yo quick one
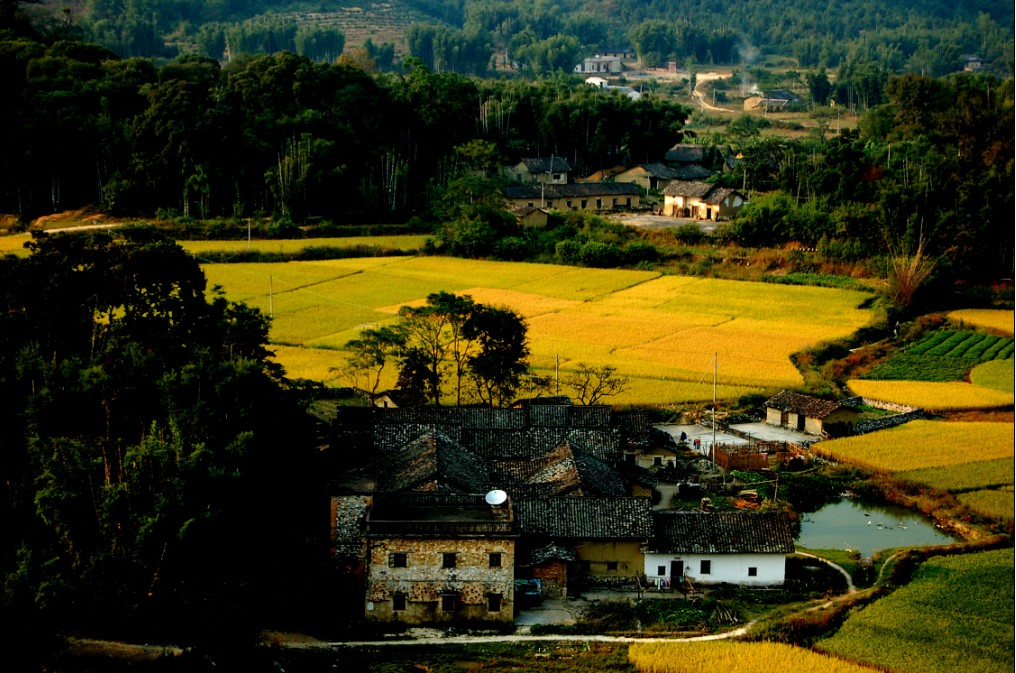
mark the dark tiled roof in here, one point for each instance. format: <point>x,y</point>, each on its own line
<point>554,400</point>
<point>686,188</point>
<point>546,165</point>
<point>572,191</point>
<point>722,533</point>
<point>686,154</point>
<point>565,470</point>
<point>692,172</point>
<point>433,461</point>
<point>588,518</point>
<point>812,407</point>
<point>661,171</point>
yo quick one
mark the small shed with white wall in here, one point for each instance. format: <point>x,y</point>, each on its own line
<point>745,547</point>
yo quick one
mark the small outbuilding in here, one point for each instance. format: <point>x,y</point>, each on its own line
<point>746,548</point>
<point>812,415</point>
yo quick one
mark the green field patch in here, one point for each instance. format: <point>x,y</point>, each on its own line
<point>956,614</point>
<point>997,503</point>
<point>997,374</point>
<point>910,367</point>
<point>965,477</point>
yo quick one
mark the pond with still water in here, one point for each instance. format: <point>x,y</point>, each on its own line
<point>867,528</point>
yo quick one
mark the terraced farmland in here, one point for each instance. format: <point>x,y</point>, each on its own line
<point>944,355</point>
<point>661,331</point>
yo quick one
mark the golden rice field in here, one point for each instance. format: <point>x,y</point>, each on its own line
<point>933,395</point>
<point>660,331</point>
<point>924,444</point>
<point>727,655</point>
<point>966,476</point>
<point>991,318</point>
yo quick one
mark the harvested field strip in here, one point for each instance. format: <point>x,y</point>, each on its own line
<point>933,396</point>
<point>726,655</point>
<point>956,614</point>
<point>410,242</point>
<point>1000,320</point>
<point>924,444</point>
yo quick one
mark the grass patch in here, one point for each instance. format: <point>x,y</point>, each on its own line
<point>966,477</point>
<point>956,614</point>
<point>997,503</point>
<point>997,374</point>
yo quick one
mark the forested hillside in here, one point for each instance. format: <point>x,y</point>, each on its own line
<point>926,36</point>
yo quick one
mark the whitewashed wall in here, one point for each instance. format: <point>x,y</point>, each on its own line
<point>771,569</point>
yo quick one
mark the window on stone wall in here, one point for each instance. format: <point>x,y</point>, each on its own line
<point>448,602</point>
<point>448,560</point>
<point>752,571</point>
<point>611,565</point>
<point>398,559</point>
<point>398,602</point>
<point>493,602</point>
<point>495,559</point>
<point>705,567</point>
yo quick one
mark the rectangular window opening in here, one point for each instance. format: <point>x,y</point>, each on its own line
<point>448,602</point>
<point>705,567</point>
<point>399,560</point>
<point>448,560</point>
<point>494,560</point>
<point>752,571</point>
<point>398,602</point>
<point>494,603</point>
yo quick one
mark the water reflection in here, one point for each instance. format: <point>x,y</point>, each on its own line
<point>867,528</point>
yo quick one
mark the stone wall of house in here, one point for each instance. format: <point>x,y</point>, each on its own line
<point>424,581</point>
<point>904,414</point>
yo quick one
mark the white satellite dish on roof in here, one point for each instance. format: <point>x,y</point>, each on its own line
<point>496,497</point>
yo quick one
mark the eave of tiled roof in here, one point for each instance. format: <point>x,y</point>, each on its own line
<point>721,533</point>
<point>590,518</point>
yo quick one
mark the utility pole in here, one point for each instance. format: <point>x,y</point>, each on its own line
<point>712,447</point>
<point>271,299</point>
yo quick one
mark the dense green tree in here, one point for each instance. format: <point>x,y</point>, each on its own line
<point>480,351</point>
<point>147,439</point>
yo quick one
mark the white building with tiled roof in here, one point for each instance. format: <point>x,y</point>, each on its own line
<point>744,548</point>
